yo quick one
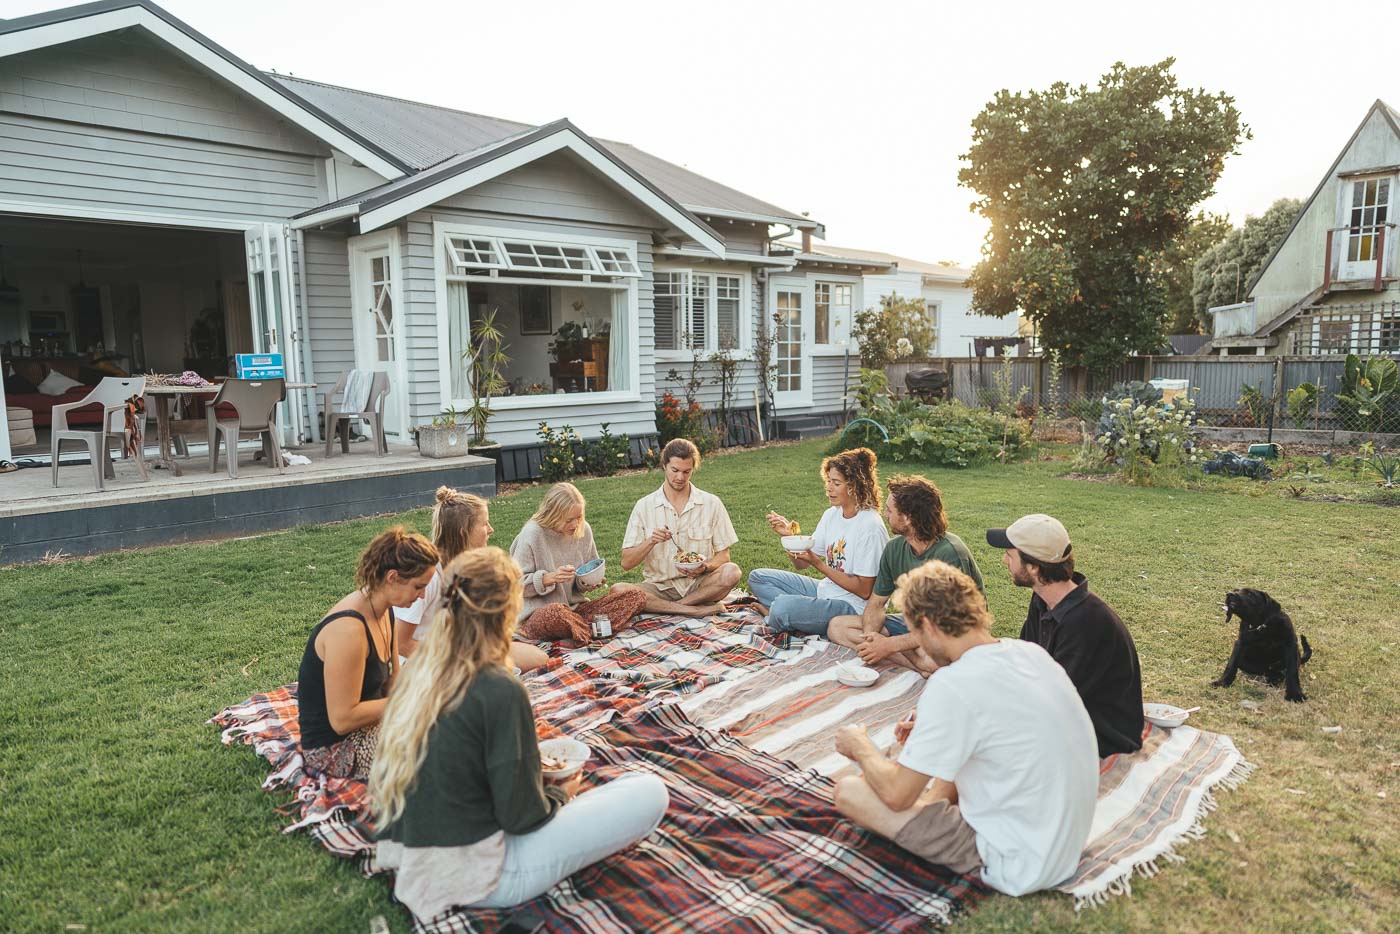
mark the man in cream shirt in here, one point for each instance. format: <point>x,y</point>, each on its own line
<point>678,518</point>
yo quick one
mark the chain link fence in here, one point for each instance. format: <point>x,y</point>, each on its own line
<point>1303,399</point>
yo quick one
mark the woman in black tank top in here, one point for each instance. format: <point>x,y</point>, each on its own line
<point>351,656</point>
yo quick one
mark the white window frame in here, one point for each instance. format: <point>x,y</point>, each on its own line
<point>575,257</point>
<point>744,325</point>
<point>835,349</point>
<point>624,285</point>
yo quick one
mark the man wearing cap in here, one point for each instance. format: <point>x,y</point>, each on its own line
<point>1078,629</point>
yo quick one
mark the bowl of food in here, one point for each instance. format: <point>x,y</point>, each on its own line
<point>689,560</point>
<point>798,544</point>
<point>1164,715</point>
<point>856,676</point>
<point>562,757</point>
<point>590,574</point>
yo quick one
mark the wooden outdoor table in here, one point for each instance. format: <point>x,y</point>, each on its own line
<point>161,396</point>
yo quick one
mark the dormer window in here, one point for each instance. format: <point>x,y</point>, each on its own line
<point>1367,225</point>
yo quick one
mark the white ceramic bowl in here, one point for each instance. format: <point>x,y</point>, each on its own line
<point>594,577</point>
<point>857,676</point>
<point>689,565</point>
<point>1164,715</point>
<point>570,751</point>
<point>798,543</point>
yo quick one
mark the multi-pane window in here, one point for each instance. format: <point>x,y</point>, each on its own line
<point>1334,336</point>
<point>698,311</point>
<point>533,256</point>
<point>1370,209</point>
<point>1389,337</point>
<point>832,303</point>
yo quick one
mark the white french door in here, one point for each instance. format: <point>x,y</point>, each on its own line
<point>791,304</point>
<point>378,321</point>
<point>1367,211</point>
<point>270,305</point>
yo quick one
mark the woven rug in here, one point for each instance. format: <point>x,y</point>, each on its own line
<point>1150,802</point>
<point>749,843</point>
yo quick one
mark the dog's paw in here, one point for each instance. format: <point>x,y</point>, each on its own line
<point>1220,683</point>
<point>1296,698</point>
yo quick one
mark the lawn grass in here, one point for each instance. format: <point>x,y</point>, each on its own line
<point>121,811</point>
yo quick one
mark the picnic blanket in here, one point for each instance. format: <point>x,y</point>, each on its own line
<point>749,842</point>
<point>1149,803</point>
<point>680,653</point>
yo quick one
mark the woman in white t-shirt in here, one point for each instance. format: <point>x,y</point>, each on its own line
<point>461,521</point>
<point>849,540</point>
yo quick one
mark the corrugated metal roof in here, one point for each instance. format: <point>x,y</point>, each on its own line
<point>957,273</point>
<point>424,135</point>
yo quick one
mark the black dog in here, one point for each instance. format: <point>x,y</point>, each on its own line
<point>1268,643</point>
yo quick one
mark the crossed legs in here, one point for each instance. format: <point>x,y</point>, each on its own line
<point>703,600</point>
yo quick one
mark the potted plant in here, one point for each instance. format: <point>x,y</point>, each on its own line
<point>484,360</point>
<point>445,437</point>
<point>569,344</point>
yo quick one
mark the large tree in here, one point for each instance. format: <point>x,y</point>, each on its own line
<point>1223,273</point>
<point>1176,268</point>
<point>1084,187</point>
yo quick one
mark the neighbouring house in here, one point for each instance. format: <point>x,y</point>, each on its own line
<point>1330,287</point>
<point>958,330</point>
<point>165,205</point>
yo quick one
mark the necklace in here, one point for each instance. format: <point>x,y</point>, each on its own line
<point>383,635</point>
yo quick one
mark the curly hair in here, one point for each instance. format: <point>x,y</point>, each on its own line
<point>395,550</point>
<point>857,468</point>
<point>918,498</point>
<point>941,595</point>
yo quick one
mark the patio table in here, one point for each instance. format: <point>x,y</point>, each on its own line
<point>161,397</point>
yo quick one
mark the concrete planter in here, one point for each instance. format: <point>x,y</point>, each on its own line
<point>443,442</point>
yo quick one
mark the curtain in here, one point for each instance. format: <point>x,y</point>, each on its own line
<point>619,344</point>
<point>459,337</point>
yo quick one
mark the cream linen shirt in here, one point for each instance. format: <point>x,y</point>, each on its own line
<point>703,526</point>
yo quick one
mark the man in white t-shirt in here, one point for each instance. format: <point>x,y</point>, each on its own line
<point>999,769</point>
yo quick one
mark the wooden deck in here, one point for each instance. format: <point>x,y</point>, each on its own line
<point>37,520</point>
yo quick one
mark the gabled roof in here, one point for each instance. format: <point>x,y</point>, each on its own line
<point>876,258</point>
<point>1392,116</point>
<point>424,135</point>
<point>389,202</point>
<point>42,30</point>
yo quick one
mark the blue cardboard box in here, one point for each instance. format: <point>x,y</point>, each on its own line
<point>260,366</point>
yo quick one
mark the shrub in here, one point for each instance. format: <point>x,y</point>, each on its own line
<point>1256,402</point>
<point>899,329</point>
<point>605,456</point>
<point>1368,392</point>
<point>1146,440</point>
<point>948,434</point>
<point>558,460</point>
<point>1302,403</point>
<point>677,419</point>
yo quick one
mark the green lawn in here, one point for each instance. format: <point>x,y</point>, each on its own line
<point>121,811</point>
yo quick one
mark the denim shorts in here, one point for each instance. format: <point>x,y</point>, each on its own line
<point>894,625</point>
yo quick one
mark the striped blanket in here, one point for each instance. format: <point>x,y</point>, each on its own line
<point>1149,802</point>
<point>750,843</point>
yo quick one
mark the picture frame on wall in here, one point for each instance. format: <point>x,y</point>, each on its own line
<point>534,310</point>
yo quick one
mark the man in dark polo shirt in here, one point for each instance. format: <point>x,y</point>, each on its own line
<point>1079,630</point>
<point>914,510</point>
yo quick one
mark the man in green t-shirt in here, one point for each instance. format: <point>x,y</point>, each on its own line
<point>914,510</point>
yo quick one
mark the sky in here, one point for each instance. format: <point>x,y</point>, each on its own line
<point>856,113</point>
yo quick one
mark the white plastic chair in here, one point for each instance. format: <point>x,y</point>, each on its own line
<point>112,394</point>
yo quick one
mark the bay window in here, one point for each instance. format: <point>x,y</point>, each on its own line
<point>566,311</point>
<point>699,311</point>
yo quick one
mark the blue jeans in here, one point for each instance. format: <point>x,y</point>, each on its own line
<point>793,604</point>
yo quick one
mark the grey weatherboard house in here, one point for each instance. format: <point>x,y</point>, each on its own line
<point>163,200</point>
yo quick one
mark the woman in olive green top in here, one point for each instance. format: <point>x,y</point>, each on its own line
<point>914,510</point>
<point>457,786</point>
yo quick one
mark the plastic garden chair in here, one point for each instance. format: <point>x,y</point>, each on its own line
<point>112,394</point>
<point>357,403</point>
<point>255,403</point>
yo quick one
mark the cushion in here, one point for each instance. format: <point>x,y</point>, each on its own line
<point>56,384</point>
<point>17,385</point>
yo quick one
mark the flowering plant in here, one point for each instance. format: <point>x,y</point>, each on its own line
<point>1139,437</point>
<point>558,460</point>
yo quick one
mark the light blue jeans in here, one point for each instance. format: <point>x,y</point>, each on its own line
<point>793,604</point>
<point>593,826</point>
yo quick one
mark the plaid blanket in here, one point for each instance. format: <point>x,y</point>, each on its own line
<point>681,653</point>
<point>1149,802</point>
<point>749,842</point>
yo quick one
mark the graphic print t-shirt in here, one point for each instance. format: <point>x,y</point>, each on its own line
<point>852,546</point>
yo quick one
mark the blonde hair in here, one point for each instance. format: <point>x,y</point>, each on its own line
<point>395,550</point>
<point>554,509</point>
<point>941,595</point>
<point>471,629</point>
<point>455,517</point>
